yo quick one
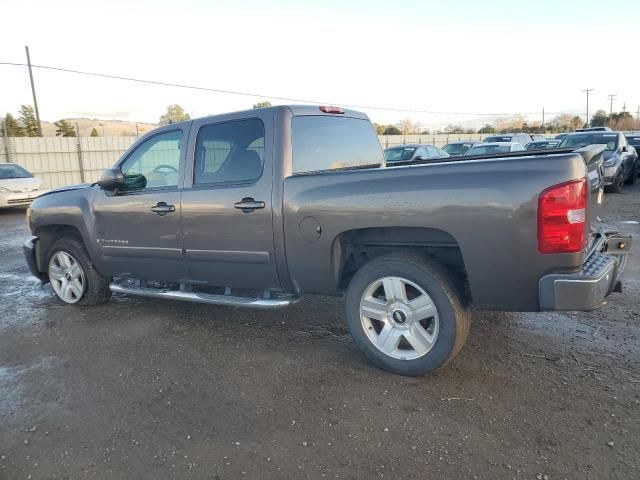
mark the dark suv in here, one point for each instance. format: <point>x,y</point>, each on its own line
<point>620,158</point>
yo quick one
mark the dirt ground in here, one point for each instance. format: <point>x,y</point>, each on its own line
<point>149,389</point>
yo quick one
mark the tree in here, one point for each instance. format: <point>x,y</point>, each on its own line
<point>175,113</point>
<point>64,129</point>
<point>262,105</point>
<point>14,129</point>
<point>407,126</point>
<point>453,129</point>
<point>379,128</point>
<point>391,130</point>
<point>600,119</point>
<point>29,121</point>
<point>94,133</point>
<point>488,128</point>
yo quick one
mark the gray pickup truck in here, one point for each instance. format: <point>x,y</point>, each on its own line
<point>255,208</point>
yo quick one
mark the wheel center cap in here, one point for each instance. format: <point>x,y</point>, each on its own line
<point>399,316</point>
<point>68,276</point>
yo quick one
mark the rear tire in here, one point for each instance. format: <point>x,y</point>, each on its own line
<point>72,275</point>
<point>406,315</point>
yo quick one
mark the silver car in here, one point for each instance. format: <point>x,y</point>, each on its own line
<point>18,187</point>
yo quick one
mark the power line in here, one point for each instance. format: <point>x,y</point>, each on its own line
<point>260,95</point>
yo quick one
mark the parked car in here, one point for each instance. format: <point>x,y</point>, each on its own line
<point>521,138</point>
<point>494,147</point>
<point>536,137</point>
<point>18,187</point>
<point>542,144</point>
<point>620,160</point>
<point>593,129</point>
<point>560,136</point>
<point>412,153</point>
<point>456,149</point>
<point>257,208</point>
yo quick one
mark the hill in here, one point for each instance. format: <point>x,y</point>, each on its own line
<point>106,128</point>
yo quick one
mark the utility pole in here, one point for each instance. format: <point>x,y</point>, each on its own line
<point>638,117</point>
<point>543,120</point>
<point>587,90</point>
<point>611,99</point>
<point>33,91</point>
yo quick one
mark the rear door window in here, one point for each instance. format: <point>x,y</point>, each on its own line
<point>229,152</point>
<point>321,143</point>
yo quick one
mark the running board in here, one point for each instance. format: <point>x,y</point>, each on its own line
<point>200,297</point>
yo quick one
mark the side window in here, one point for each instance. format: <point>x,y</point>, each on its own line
<point>154,163</point>
<point>433,152</point>
<point>229,152</point>
<point>422,152</point>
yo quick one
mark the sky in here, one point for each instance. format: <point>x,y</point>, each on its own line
<point>466,57</point>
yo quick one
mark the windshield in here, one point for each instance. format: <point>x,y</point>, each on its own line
<point>487,149</point>
<point>541,145</point>
<point>13,171</point>
<point>497,139</point>
<point>399,154</point>
<point>579,140</point>
<point>457,148</point>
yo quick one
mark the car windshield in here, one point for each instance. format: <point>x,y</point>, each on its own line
<point>487,149</point>
<point>399,154</point>
<point>13,171</point>
<point>541,145</point>
<point>497,139</point>
<point>457,148</point>
<point>579,140</point>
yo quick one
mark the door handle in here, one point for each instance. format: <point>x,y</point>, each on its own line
<point>248,205</point>
<point>161,208</point>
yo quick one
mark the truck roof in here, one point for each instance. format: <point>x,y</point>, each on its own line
<point>299,110</point>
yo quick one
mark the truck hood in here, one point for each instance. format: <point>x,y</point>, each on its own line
<point>21,184</point>
<point>68,188</point>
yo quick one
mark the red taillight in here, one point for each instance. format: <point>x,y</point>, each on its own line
<point>328,109</point>
<point>562,211</point>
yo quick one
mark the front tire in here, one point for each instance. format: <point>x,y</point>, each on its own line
<point>72,275</point>
<point>618,183</point>
<point>406,315</point>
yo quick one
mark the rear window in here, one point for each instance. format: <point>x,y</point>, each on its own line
<point>487,149</point>
<point>497,139</point>
<point>457,148</point>
<point>329,143</point>
<point>635,141</point>
<point>13,171</point>
<point>399,154</point>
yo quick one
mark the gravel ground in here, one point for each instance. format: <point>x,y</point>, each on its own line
<point>149,389</point>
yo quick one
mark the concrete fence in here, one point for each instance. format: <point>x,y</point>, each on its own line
<point>63,161</point>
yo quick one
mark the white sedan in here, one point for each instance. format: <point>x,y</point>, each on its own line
<point>17,186</point>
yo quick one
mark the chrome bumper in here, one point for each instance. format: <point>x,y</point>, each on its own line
<point>587,288</point>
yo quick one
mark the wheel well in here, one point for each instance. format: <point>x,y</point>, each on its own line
<point>354,248</point>
<point>48,235</point>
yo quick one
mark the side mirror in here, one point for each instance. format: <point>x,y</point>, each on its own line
<point>625,149</point>
<point>419,158</point>
<point>111,179</point>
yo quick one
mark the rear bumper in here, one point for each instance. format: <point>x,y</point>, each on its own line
<point>29,248</point>
<point>586,289</point>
